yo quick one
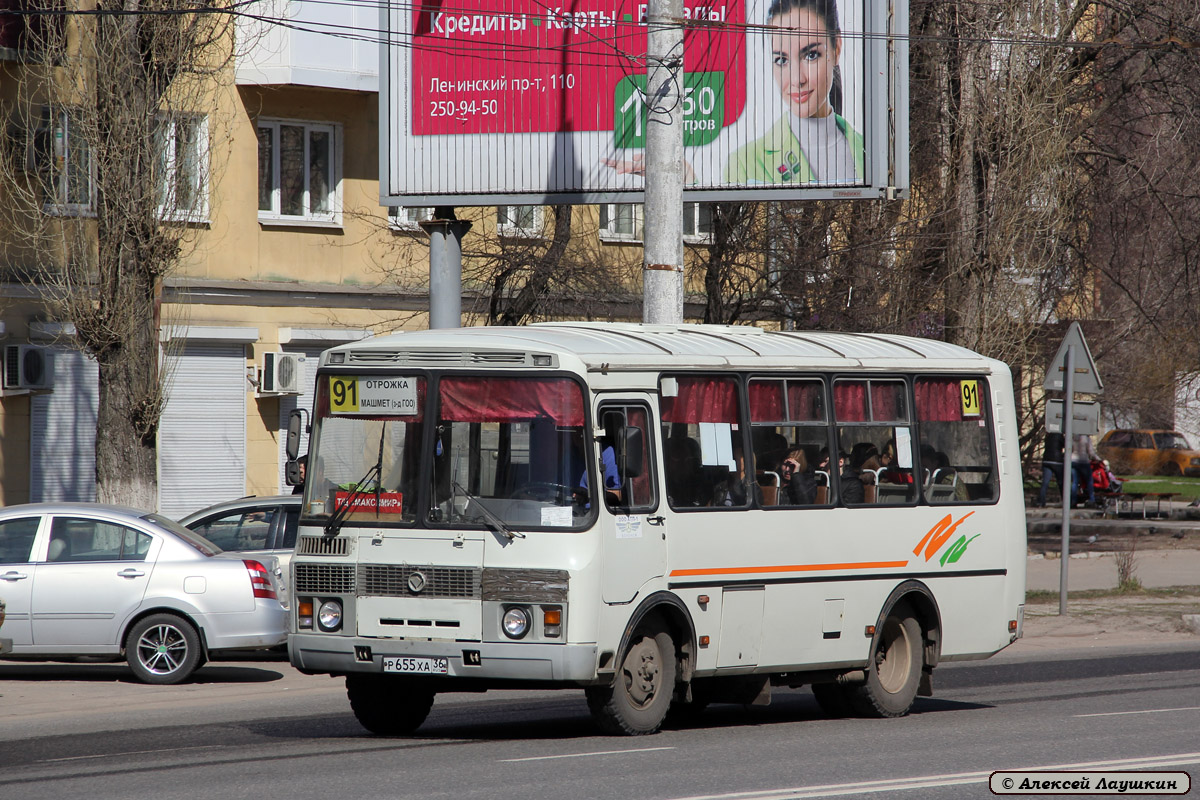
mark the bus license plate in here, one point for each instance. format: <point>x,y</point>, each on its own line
<point>421,666</point>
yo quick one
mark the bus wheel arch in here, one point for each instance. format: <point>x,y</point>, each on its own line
<point>904,650</point>
<point>652,667</point>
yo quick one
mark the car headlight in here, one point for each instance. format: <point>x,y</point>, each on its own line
<point>329,618</point>
<point>516,622</point>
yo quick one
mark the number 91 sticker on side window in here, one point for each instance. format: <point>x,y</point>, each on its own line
<point>422,666</point>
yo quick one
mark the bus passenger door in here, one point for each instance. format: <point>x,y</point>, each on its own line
<point>633,539</point>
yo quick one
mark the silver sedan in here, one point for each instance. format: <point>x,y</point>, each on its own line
<point>83,579</point>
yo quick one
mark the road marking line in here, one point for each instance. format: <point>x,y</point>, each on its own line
<point>1146,711</point>
<point>131,753</point>
<point>585,755</point>
<point>933,781</point>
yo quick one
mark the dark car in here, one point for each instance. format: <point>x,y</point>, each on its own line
<point>253,526</point>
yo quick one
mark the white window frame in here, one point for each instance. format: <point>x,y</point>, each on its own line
<point>408,218</point>
<point>691,213</point>
<point>274,215</point>
<point>168,208</point>
<point>57,147</point>
<point>607,215</point>
<point>514,229</point>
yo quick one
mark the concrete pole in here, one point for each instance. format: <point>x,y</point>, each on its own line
<point>662,271</point>
<point>445,267</point>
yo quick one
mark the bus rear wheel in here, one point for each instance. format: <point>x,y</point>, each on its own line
<point>387,706</point>
<point>895,669</point>
<point>637,701</point>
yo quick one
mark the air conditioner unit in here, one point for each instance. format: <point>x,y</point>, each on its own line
<point>281,373</point>
<point>28,366</point>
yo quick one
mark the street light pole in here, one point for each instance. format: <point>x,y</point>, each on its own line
<point>662,269</point>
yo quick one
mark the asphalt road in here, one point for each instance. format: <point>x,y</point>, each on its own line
<point>261,730</point>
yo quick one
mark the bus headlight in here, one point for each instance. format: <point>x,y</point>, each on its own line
<point>330,616</point>
<point>516,622</point>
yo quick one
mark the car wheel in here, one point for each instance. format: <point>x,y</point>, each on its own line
<point>1171,470</point>
<point>163,649</point>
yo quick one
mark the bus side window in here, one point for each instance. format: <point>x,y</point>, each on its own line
<point>625,458</point>
<point>956,451</point>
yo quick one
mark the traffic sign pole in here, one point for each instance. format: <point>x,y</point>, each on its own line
<point>1064,482</point>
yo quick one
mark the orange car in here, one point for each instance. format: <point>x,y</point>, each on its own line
<point>1149,452</point>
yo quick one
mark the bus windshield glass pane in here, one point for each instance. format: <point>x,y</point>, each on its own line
<point>509,452</point>
<point>367,436</point>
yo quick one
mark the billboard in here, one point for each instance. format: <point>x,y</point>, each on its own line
<point>520,102</point>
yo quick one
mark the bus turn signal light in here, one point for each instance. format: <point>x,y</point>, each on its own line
<point>304,613</point>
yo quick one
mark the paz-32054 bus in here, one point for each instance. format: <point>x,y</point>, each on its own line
<point>662,516</point>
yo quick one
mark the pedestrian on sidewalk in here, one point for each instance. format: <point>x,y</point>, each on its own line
<point>1082,456</point>
<point>1052,464</point>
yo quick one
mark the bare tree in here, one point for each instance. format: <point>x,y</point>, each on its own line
<point>101,181</point>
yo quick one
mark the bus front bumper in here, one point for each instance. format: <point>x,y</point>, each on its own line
<point>499,661</point>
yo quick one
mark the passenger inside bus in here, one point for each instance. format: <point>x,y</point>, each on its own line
<point>800,485</point>
<point>612,478</point>
<point>683,472</point>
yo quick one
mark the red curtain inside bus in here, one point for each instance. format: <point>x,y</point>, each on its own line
<point>850,401</point>
<point>887,401</point>
<point>511,400</point>
<point>938,400</point>
<point>804,401</point>
<point>702,400</point>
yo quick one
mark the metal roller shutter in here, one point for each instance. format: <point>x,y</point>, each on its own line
<point>202,438</point>
<point>62,435</point>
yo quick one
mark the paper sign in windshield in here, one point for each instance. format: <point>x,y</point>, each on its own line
<point>385,503</point>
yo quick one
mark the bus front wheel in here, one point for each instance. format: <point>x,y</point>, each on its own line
<point>387,706</point>
<point>895,669</point>
<point>637,701</point>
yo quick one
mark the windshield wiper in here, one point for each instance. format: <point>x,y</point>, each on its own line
<point>486,515</point>
<point>334,524</point>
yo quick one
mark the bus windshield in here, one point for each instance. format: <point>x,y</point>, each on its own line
<point>509,452</point>
<point>367,462</point>
<point>506,453</point>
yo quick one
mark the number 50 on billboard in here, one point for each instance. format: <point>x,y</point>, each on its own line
<point>521,102</point>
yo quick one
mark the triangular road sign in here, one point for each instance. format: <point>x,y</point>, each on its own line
<point>1086,379</point>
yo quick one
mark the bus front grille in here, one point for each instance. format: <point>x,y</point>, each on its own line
<point>324,579</point>
<point>393,580</point>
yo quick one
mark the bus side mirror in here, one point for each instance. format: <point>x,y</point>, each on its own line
<point>291,473</point>
<point>633,446</point>
<point>295,423</point>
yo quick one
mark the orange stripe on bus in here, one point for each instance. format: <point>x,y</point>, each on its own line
<point>789,568</point>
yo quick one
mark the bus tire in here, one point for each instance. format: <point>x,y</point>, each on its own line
<point>637,701</point>
<point>894,672</point>
<point>387,706</point>
<point>834,699</point>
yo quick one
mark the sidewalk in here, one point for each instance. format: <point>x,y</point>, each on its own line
<point>1166,554</point>
<point>1098,570</point>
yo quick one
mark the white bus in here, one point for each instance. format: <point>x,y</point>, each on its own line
<point>843,511</point>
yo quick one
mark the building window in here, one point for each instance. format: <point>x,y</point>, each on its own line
<point>522,221</point>
<point>299,176</point>
<point>621,222</point>
<point>408,218</point>
<point>697,223</point>
<point>183,175</point>
<point>64,162</point>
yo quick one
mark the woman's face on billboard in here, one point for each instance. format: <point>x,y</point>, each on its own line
<point>804,57</point>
